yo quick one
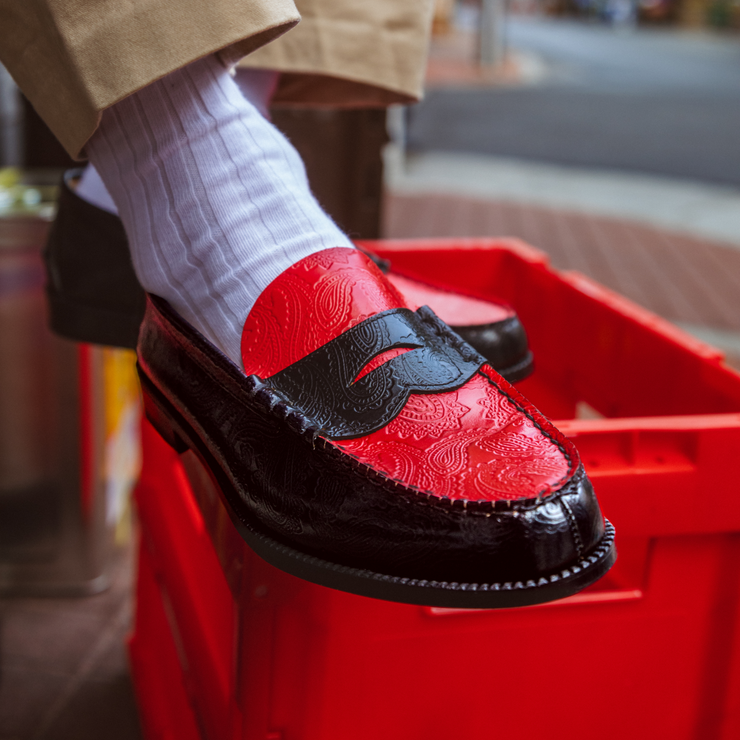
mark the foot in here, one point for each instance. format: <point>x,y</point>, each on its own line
<point>369,449</point>
<point>213,198</point>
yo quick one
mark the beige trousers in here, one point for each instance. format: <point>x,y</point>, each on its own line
<point>75,58</point>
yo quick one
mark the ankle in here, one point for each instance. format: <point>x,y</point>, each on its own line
<point>214,199</point>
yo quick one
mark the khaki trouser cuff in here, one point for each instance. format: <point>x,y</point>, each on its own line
<point>359,54</point>
<point>73,59</point>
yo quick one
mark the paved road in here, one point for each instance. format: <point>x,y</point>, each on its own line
<point>659,102</point>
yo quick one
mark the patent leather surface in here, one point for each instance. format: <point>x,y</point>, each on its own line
<point>503,343</point>
<point>282,475</point>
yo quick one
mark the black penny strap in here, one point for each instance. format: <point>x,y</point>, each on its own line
<point>323,384</point>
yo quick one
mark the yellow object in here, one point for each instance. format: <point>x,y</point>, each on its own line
<point>9,177</point>
<point>20,199</point>
<point>122,450</point>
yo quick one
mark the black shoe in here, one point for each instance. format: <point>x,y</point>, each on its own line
<point>93,293</point>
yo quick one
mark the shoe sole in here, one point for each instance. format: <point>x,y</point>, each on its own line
<point>182,437</point>
<point>518,371</point>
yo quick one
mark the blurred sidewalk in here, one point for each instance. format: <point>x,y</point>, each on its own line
<point>64,671</point>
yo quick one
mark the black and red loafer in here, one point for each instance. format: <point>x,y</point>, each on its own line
<point>365,447</point>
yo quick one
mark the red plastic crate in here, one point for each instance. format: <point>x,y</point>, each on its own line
<point>193,585</point>
<point>165,712</point>
<point>649,651</point>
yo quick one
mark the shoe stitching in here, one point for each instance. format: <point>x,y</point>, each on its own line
<point>270,400</point>
<point>584,563</point>
<point>600,552</point>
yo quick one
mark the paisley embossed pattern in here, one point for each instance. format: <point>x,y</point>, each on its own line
<point>381,359</point>
<point>477,445</point>
<point>481,441</point>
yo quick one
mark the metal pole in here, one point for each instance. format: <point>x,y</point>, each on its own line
<point>11,154</point>
<point>491,29</point>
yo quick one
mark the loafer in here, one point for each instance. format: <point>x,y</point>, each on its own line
<point>367,448</point>
<point>94,295</point>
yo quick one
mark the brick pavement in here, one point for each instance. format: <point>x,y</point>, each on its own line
<point>684,279</point>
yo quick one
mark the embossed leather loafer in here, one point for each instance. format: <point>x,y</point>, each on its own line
<point>94,295</point>
<point>365,447</point>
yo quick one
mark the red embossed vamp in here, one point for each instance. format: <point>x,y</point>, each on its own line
<point>471,441</point>
<point>366,447</point>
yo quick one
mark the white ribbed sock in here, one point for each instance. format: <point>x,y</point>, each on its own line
<point>214,199</point>
<point>92,189</point>
<point>256,85</point>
